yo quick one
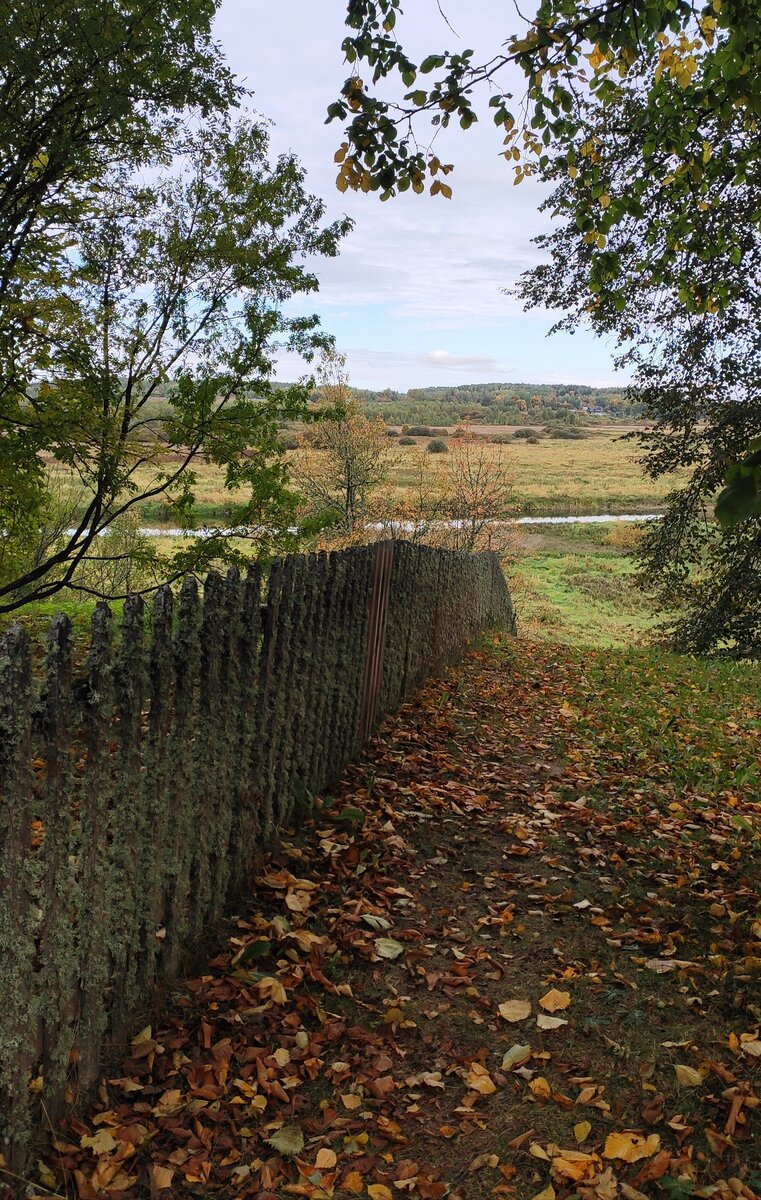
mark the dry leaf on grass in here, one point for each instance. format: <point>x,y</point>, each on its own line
<point>554,1000</point>
<point>631,1147</point>
<point>515,1010</point>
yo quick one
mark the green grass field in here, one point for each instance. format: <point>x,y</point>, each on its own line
<point>576,584</point>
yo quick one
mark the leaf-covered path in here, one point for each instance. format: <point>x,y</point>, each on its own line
<point>516,954</point>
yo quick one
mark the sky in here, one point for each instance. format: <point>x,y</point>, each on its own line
<point>416,297</point>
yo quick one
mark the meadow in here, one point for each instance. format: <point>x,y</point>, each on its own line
<point>572,583</point>
<point>597,474</point>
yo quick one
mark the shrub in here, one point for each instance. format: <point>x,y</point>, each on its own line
<point>406,441</point>
<point>569,433</point>
<point>625,536</point>
<point>437,446</point>
<point>419,430</point>
<point>532,441</point>
<point>392,433</point>
<point>525,431</point>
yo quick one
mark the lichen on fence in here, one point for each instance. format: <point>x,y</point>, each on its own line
<point>138,783</point>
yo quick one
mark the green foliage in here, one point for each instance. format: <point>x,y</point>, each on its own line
<point>437,446</point>
<point>693,65</point>
<point>174,291</point>
<point>741,496</point>
<point>79,95</point>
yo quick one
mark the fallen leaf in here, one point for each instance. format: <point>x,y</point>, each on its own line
<point>326,1159</point>
<point>100,1143</point>
<point>161,1178</point>
<point>479,1080</point>
<point>687,1076</point>
<point>287,1140</point>
<point>484,1160</point>
<point>543,1021</point>
<point>582,1130</point>
<point>554,1000</point>
<point>515,1056</point>
<point>548,1193</point>
<point>379,1191</point>
<point>515,1010</point>
<point>631,1147</point>
<point>388,947</point>
<point>540,1087</point>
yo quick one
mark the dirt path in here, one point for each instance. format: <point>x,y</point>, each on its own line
<point>516,954</point>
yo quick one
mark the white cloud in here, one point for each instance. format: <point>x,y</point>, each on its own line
<point>417,270</point>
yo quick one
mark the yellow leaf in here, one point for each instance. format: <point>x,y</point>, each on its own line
<point>515,1010</point>
<point>548,1193</point>
<point>555,1000</point>
<point>630,1147</point>
<point>582,1130</point>
<point>379,1191</point>
<point>541,1088</point>
<point>101,1143</point>
<point>538,1151</point>
<point>353,1183</point>
<point>479,1080</point>
<point>326,1159</point>
<point>688,1076</point>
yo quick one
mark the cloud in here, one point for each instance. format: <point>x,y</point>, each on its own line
<point>419,272</point>
<point>459,362</point>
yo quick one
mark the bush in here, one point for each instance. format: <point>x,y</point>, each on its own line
<point>437,446</point>
<point>501,439</point>
<point>532,441</point>
<point>392,433</point>
<point>406,441</point>
<point>625,536</point>
<point>526,431</point>
<point>569,433</point>
<point>419,430</point>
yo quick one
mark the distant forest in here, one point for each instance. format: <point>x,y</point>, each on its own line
<point>499,404</point>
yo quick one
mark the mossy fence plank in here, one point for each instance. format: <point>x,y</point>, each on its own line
<point>138,785</point>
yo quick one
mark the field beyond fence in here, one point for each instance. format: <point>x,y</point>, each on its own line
<point>139,782</point>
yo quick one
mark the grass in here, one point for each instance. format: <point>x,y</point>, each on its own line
<point>596,475</point>
<point>577,585</point>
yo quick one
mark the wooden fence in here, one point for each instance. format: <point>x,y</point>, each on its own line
<point>139,779</point>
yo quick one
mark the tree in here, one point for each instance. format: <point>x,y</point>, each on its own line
<point>158,351</point>
<point>694,64</point>
<point>79,90</point>
<point>654,152</point>
<point>345,458</point>
<point>695,352</point>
